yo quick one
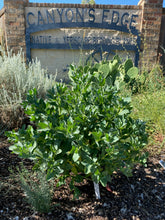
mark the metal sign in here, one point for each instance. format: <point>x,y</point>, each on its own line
<point>86,19</point>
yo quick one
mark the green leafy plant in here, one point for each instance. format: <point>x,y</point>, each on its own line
<point>82,128</point>
<point>122,75</point>
<point>38,191</point>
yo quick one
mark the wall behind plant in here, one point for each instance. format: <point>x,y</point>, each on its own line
<point>149,25</point>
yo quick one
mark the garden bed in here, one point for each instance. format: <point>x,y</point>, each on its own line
<point>141,196</point>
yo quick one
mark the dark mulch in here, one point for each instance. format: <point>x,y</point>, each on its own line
<point>141,196</point>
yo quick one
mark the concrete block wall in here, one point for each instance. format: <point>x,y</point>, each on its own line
<point>151,11</point>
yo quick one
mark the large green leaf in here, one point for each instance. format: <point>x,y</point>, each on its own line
<point>75,157</point>
<point>133,72</point>
<point>104,69</point>
<point>128,65</point>
<point>97,135</point>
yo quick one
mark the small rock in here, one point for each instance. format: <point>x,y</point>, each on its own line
<point>135,218</point>
<point>105,204</point>
<point>69,216</point>
<point>73,209</point>
<point>132,187</point>
<point>100,212</point>
<point>123,210</point>
<point>139,202</point>
<point>154,191</point>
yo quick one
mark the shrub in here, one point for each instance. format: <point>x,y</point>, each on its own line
<point>37,189</point>
<point>16,79</point>
<point>82,128</point>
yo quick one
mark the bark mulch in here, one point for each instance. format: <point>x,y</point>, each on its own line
<point>141,196</point>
